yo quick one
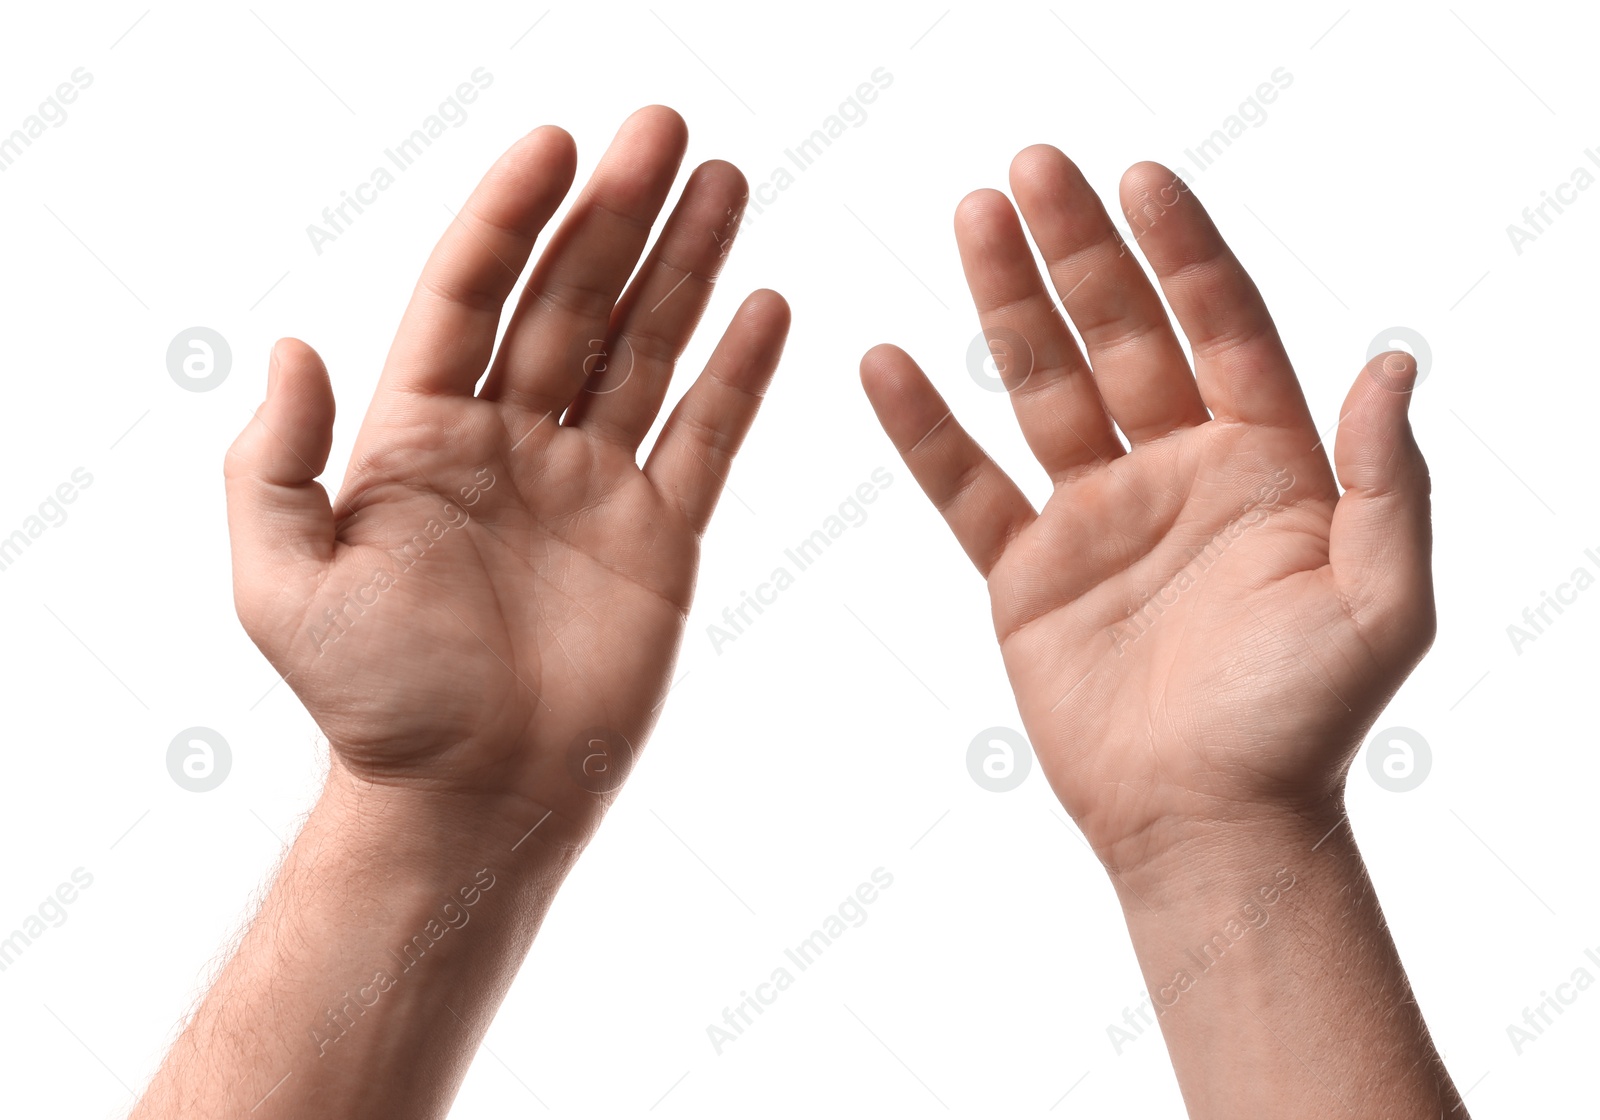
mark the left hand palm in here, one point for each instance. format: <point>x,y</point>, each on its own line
<point>1197,625</point>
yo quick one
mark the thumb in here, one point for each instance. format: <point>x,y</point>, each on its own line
<point>1381,545</point>
<point>277,512</point>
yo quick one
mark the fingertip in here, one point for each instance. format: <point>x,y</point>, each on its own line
<point>1147,175</point>
<point>713,202</point>
<point>762,321</point>
<point>546,154</point>
<point>980,209</point>
<point>1393,372</point>
<point>636,173</point>
<point>1147,189</point>
<point>1035,155</point>
<point>769,308</point>
<point>298,381</point>
<point>550,139</point>
<point>289,349</point>
<point>519,191</point>
<point>1037,164</point>
<point>288,437</point>
<point>721,174</point>
<point>661,120</point>
<point>880,363</point>
<point>899,391</point>
<point>1375,442</point>
<point>287,354</point>
<point>290,354</point>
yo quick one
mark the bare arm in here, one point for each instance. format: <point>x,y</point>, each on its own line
<point>1200,625</point>
<point>375,965</point>
<point>1274,979</point>
<point>483,624</point>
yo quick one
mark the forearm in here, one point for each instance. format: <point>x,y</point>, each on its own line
<point>1275,981</point>
<point>368,979</point>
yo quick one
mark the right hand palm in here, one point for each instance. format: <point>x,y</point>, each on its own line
<point>534,580</point>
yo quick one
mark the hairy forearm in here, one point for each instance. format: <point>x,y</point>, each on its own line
<point>379,956</point>
<point>1273,976</point>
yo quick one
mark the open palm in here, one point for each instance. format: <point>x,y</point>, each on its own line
<point>1198,621</point>
<point>499,584</point>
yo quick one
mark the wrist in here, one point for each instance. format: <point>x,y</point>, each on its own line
<point>420,831</point>
<point>395,910</point>
<point>1232,849</point>
<point>1266,958</point>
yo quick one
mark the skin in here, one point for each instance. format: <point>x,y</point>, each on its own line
<point>483,702</point>
<point>1200,625</point>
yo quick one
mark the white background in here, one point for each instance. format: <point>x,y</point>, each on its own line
<point>1377,193</point>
